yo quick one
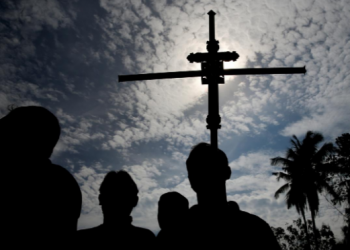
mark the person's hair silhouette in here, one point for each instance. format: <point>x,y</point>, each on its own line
<point>118,196</point>
<point>32,131</point>
<point>173,209</point>
<point>214,221</point>
<point>43,196</point>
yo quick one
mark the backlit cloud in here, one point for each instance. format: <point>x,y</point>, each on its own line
<point>67,56</point>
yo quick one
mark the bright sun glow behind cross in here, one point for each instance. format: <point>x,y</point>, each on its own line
<point>224,46</point>
<point>241,61</point>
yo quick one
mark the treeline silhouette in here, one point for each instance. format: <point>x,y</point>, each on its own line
<point>294,237</point>
<point>309,171</point>
<point>43,201</point>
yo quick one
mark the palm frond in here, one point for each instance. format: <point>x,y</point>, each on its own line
<point>295,144</point>
<point>308,136</point>
<point>282,175</point>
<point>291,154</point>
<point>297,141</point>
<point>279,161</point>
<point>310,141</point>
<point>281,190</point>
<point>317,138</point>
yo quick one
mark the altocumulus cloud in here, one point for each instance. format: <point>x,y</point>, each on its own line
<point>67,55</point>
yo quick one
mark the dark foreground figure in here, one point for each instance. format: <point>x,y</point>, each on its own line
<point>41,201</point>
<point>173,209</point>
<point>214,222</point>
<point>118,196</point>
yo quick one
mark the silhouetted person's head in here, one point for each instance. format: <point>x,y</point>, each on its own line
<point>172,210</point>
<point>207,168</point>
<point>118,194</point>
<point>31,131</point>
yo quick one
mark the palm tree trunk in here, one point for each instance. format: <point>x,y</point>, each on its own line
<point>316,236</point>
<point>306,232</point>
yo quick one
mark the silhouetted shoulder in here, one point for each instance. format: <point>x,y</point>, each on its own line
<point>63,173</point>
<point>65,176</point>
<point>101,237</point>
<point>246,230</point>
<point>136,231</point>
<point>68,187</point>
<point>90,231</point>
<point>263,234</point>
<point>252,218</point>
<point>143,232</point>
<point>93,229</point>
<point>194,209</point>
<point>141,238</point>
<point>60,170</point>
<point>91,238</point>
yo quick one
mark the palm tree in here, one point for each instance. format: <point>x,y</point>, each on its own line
<point>301,172</point>
<point>292,175</point>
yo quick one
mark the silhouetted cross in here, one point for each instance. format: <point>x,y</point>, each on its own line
<point>212,73</point>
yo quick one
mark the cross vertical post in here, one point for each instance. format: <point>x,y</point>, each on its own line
<point>213,118</point>
<point>211,25</point>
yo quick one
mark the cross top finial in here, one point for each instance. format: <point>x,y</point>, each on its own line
<point>213,45</point>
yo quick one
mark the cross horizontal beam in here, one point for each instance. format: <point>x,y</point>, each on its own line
<point>184,74</point>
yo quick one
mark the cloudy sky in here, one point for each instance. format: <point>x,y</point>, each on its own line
<point>67,55</point>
